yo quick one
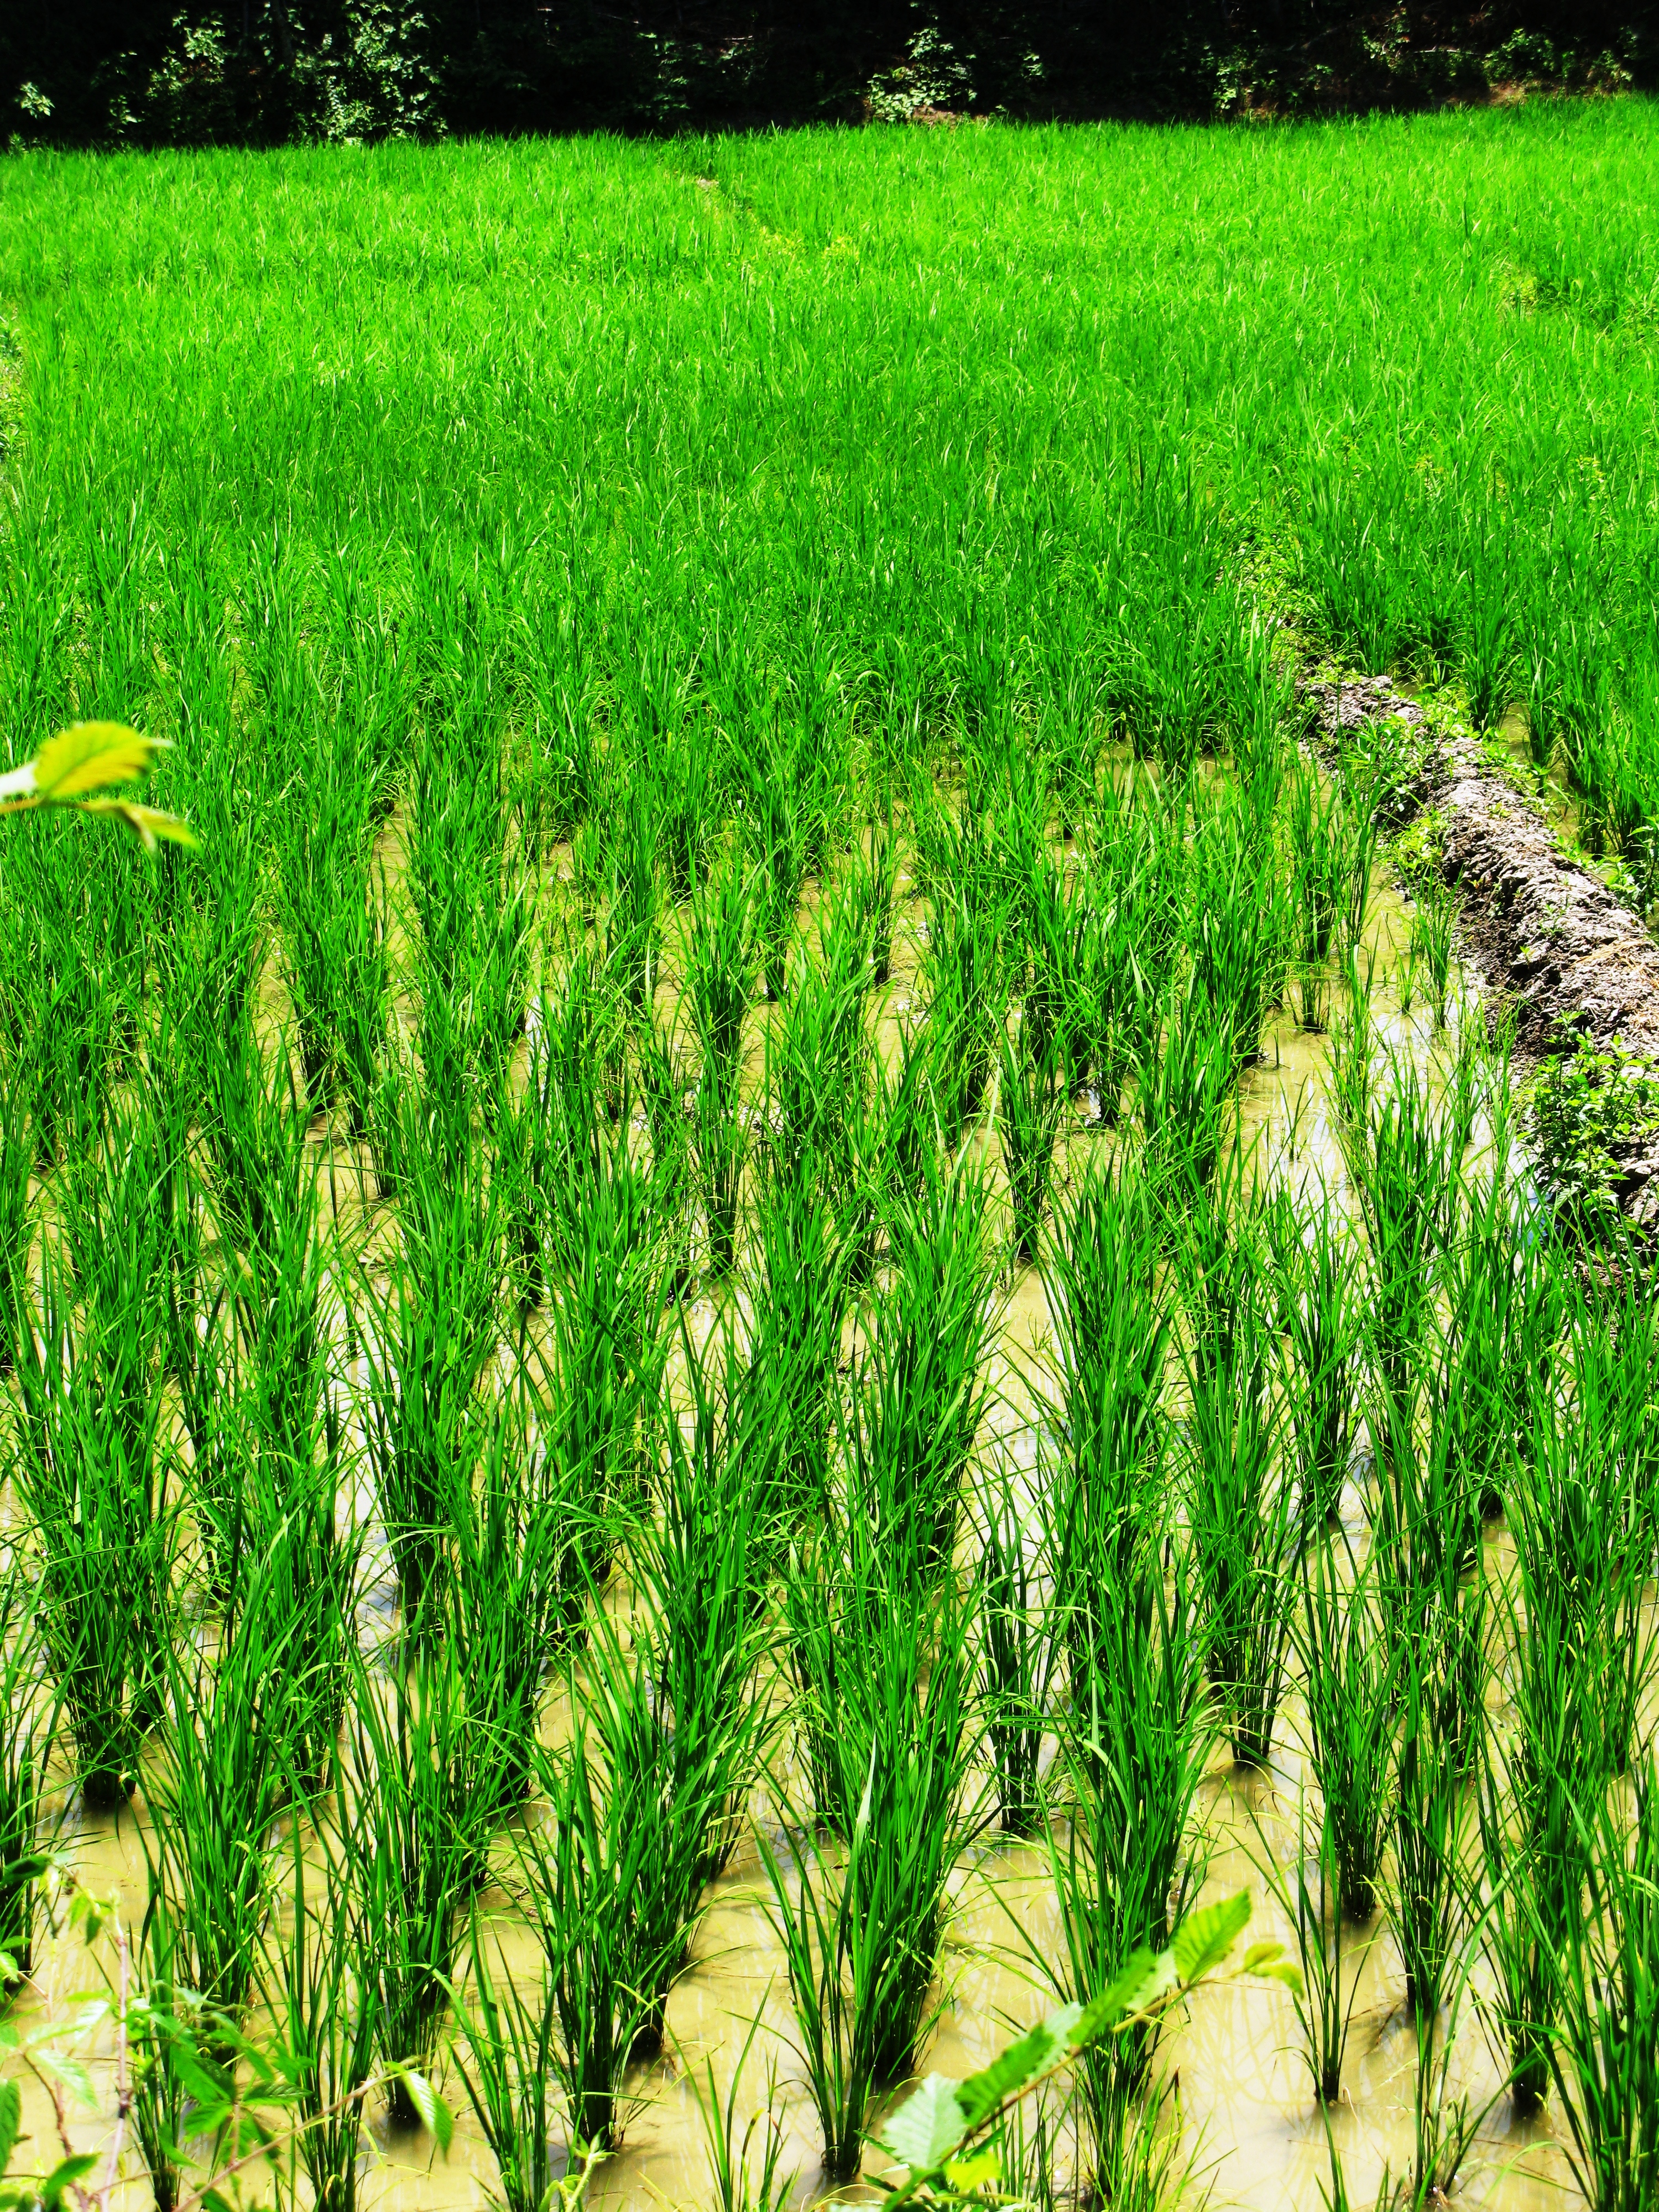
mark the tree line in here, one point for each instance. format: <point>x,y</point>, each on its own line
<point>263,72</point>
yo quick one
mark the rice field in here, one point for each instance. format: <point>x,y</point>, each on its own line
<point>793,1287</point>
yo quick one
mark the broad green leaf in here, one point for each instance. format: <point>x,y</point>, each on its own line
<point>90,756</point>
<point>1204,1937</point>
<point>11,2118</point>
<point>1009,2072</point>
<point>434,2113</point>
<point>1123,1994</point>
<point>148,825</point>
<point>1286,1971</point>
<point>1260,1955</point>
<point>927,2127</point>
<point>66,2171</point>
<point>966,2174</point>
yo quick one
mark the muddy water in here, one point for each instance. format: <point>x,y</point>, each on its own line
<point>1249,2123</point>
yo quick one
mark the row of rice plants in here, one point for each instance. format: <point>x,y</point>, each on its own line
<point>828,1588</point>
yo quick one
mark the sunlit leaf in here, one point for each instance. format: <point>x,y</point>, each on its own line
<point>147,823</point>
<point>927,2127</point>
<point>67,2170</point>
<point>1127,1993</point>
<point>1260,1955</point>
<point>1204,1937</point>
<point>90,756</point>
<point>1035,2053</point>
<point>11,2119</point>
<point>966,2174</point>
<point>435,2115</point>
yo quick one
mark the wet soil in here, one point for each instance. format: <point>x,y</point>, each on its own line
<point>1550,941</point>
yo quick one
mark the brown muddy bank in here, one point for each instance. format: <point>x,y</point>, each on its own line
<point>1554,944</point>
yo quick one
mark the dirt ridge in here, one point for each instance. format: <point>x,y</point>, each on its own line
<point>1550,940</point>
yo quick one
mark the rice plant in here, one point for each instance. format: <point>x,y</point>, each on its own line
<point>90,1473</point>
<point>721,955</point>
<point>800,1298</point>
<point>1241,1515</point>
<point>27,1725</point>
<point>1351,1666</point>
<point>429,1333</point>
<point>675,1791</point>
<point>918,1391</point>
<point>1031,1100</point>
<point>733,2186</point>
<point>1113,1343</point>
<point>837,1982</point>
<point>578,1876</point>
<point>1532,1845</point>
<point>328,918</point>
<point>1018,1653</point>
<point>1184,1072</point>
<point>230,1747</point>
<point>1603,2054</point>
<point>1433,936</point>
<point>904,1751</point>
<point>1125,1862</point>
<point>19,1143</point>
<point>1405,1172</point>
<point>704,1577</point>
<point>512,2041</point>
<point>416,1767</point>
<point>173,2068</point>
<point>1307,1891</point>
<point>594,1376</point>
<point>521,1538</point>
<point>1441,1683</point>
<point>326,2011</point>
<point>1319,1310</point>
<point>967,994</point>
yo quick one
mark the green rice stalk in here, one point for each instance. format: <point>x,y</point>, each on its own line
<point>733,2187</point>
<point>1318,1312</point>
<point>1017,1653</point>
<point>598,1372</point>
<point>1534,1865</point>
<point>1242,1519</point>
<point>326,2017</point>
<point>580,1876</point>
<point>1433,936</point>
<point>90,1473</point>
<point>19,1145</point>
<point>228,1743</point>
<point>1606,2053</point>
<point>1442,1677</point>
<point>1113,1339</point>
<point>520,1542</point>
<point>671,1793</point>
<point>414,1763</point>
<point>27,1726</point>
<point>836,1984</point>
<point>170,2054</point>
<point>1350,1667</point>
<point>906,1685</point>
<point>512,2041</point>
<point>428,1335</point>
<point>800,1298</point>
<point>919,1388</point>
<point>1032,1099</point>
<point>1307,1893</point>
<point>722,947</point>
<point>1122,1863</point>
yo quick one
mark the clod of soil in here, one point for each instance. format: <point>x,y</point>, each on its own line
<point>1544,931</point>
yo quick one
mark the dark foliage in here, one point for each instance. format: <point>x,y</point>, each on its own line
<point>262,72</point>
